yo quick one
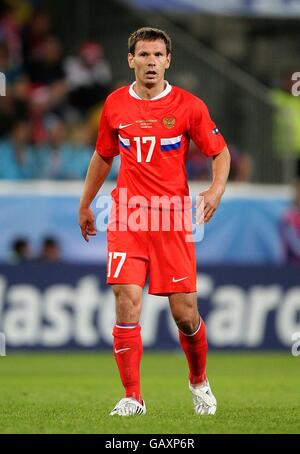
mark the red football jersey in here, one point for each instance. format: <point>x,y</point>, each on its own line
<point>153,137</point>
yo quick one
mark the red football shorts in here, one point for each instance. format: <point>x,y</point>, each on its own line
<point>167,256</point>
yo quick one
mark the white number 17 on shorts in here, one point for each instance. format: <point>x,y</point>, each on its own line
<point>113,256</point>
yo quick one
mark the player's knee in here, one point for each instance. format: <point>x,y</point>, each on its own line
<point>187,326</point>
<point>186,317</point>
<point>186,320</point>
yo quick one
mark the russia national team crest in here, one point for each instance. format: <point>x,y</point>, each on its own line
<point>169,122</point>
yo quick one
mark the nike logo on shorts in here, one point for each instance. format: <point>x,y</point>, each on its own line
<point>178,280</point>
<point>121,350</point>
<point>125,126</point>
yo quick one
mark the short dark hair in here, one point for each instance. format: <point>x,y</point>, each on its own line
<point>148,34</point>
<point>50,241</point>
<point>19,244</point>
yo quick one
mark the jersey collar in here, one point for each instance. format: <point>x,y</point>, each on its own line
<point>165,92</point>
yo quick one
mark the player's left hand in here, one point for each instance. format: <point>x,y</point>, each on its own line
<point>207,204</point>
<point>86,222</point>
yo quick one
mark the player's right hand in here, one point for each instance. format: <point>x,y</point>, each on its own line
<point>86,223</point>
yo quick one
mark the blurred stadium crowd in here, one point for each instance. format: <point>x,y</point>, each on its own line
<point>50,114</point>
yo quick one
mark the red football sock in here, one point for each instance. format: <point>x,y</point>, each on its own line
<point>128,350</point>
<point>195,349</point>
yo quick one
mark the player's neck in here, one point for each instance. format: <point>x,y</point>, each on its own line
<point>145,92</point>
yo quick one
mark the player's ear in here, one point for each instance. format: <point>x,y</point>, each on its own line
<point>168,61</point>
<point>131,61</point>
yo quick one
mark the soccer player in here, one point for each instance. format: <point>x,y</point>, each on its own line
<point>150,123</point>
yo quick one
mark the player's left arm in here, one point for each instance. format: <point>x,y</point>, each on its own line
<point>210,141</point>
<point>209,200</point>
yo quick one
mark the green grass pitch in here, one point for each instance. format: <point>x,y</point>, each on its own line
<point>74,392</point>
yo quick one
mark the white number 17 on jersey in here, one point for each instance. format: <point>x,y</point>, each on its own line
<point>150,139</point>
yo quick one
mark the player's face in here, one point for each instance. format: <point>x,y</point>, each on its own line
<point>149,62</point>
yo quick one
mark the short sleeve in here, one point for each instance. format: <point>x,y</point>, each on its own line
<point>107,140</point>
<point>203,130</point>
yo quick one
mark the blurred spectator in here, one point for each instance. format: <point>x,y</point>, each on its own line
<point>244,168</point>
<point>290,230</point>
<point>50,250</point>
<point>287,120</point>
<point>60,158</point>
<point>10,32</point>
<point>16,155</point>
<point>34,36</point>
<point>21,96</point>
<point>241,168</point>
<point>88,76</point>
<point>48,67</point>
<point>47,70</point>
<point>113,175</point>
<point>22,10</point>
<point>198,166</point>
<point>20,251</point>
<point>8,65</point>
<point>7,116</point>
<point>15,104</point>
<point>52,156</point>
<point>93,119</point>
<point>78,157</point>
<point>39,106</point>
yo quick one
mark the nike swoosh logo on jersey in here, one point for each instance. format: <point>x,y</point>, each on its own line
<point>178,280</point>
<point>125,126</point>
<point>121,350</point>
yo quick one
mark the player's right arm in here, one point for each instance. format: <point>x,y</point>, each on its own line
<point>99,168</point>
<point>97,172</point>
